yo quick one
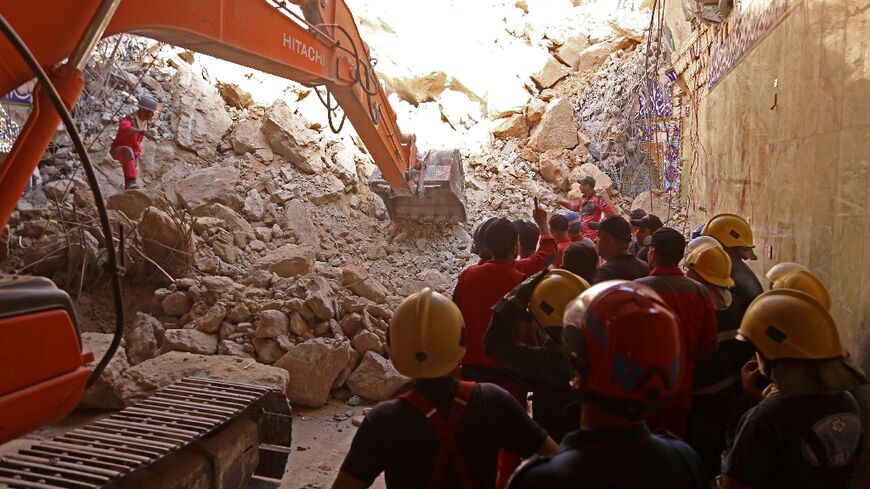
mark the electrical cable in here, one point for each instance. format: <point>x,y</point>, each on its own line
<point>47,85</point>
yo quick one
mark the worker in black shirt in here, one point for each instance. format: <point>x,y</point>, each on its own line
<point>442,433</point>
<point>614,235</point>
<point>542,298</point>
<point>735,236</point>
<point>717,401</point>
<point>806,430</point>
<point>624,350</point>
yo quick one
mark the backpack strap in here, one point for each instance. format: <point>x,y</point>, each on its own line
<point>448,449</point>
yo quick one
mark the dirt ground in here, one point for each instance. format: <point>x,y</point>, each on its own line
<point>321,438</point>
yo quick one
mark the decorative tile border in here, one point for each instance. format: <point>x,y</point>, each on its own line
<point>744,29</point>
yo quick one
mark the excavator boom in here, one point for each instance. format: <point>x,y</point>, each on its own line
<point>320,47</point>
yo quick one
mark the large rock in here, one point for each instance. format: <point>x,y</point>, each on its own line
<point>268,350</point>
<point>143,338</point>
<point>569,52</point>
<point>651,203</point>
<point>167,241</point>
<point>131,202</point>
<point>291,138</point>
<point>376,378</point>
<point>504,99</point>
<point>362,284</point>
<point>514,126</point>
<point>176,304</point>
<point>234,95</point>
<point>272,324</point>
<point>590,59</point>
<point>240,228</point>
<point>366,340</point>
<point>554,169</point>
<point>557,129</point>
<point>101,395</point>
<point>288,261</point>
<point>189,340</point>
<point>207,186</point>
<point>550,74</point>
<point>297,223</point>
<point>145,379</point>
<point>201,119</point>
<point>247,137</point>
<point>313,366</point>
<point>210,322</point>
<point>254,206</point>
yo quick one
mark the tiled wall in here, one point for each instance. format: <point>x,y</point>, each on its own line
<point>786,143</point>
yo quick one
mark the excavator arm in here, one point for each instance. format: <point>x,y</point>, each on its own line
<point>321,47</point>
<point>315,42</point>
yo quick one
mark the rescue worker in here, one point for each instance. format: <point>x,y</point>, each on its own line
<point>804,281</point>
<point>546,252</point>
<point>575,226</point>
<point>442,433</point>
<point>542,368</point>
<point>693,306</point>
<point>478,289</point>
<point>529,233</point>
<point>718,396</point>
<point>581,259</point>
<point>126,146</point>
<point>805,432</point>
<point>624,350</point>
<point>782,269</point>
<point>614,235</point>
<point>634,215</point>
<point>735,236</point>
<point>559,227</point>
<point>591,206</point>
<point>646,226</point>
<point>478,241</point>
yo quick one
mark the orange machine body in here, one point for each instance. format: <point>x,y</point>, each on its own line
<point>42,376</point>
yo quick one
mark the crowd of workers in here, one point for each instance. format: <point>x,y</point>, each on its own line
<point>652,361</point>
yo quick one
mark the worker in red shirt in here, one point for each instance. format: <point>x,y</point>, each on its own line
<point>692,304</point>
<point>478,289</point>
<point>127,144</point>
<point>591,206</point>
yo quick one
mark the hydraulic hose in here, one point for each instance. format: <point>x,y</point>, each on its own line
<point>108,239</point>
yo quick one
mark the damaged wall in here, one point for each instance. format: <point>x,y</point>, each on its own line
<point>785,143</point>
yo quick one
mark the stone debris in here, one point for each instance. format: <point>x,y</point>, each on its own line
<point>101,394</point>
<point>376,379</point>
<point>313,367</point>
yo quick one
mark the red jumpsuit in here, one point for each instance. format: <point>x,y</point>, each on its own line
<point>478,289</point>
<point>691,303</point>
<point>592,208</point>
<point>127,147</point>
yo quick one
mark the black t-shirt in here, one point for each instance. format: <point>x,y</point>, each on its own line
<point>616,458</point>
<point>746,284</point>
<point>396,439</point>
<point>625,267</point>
<point>796,442</point>
<point>718,373</point>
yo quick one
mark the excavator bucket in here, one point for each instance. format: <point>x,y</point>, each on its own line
<point>438,190</point>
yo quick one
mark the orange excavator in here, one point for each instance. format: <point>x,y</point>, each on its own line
<point>42,365</point>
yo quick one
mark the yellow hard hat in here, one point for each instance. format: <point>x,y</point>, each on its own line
<point>729,229</point>
<point>804,281</point>
<point>787,324</point>
<point>782,269</point>
<point>426,336</point>
<point>712,263</point>
<point>553,294</point>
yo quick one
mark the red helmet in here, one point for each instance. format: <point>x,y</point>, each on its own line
<point>624,341</point>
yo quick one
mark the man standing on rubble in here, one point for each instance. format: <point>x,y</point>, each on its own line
<point>591,206</point>
<point>126,147</point>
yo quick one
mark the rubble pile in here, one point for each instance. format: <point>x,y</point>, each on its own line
<point>269,258</point>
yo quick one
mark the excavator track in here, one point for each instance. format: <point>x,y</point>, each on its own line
<point>110,452</point>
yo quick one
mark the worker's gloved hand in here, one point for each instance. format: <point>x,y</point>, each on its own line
<point>517,300</point>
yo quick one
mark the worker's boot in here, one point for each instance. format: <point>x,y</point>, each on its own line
<point>132,183</point>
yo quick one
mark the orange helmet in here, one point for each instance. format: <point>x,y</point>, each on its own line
<point>624,342</point>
